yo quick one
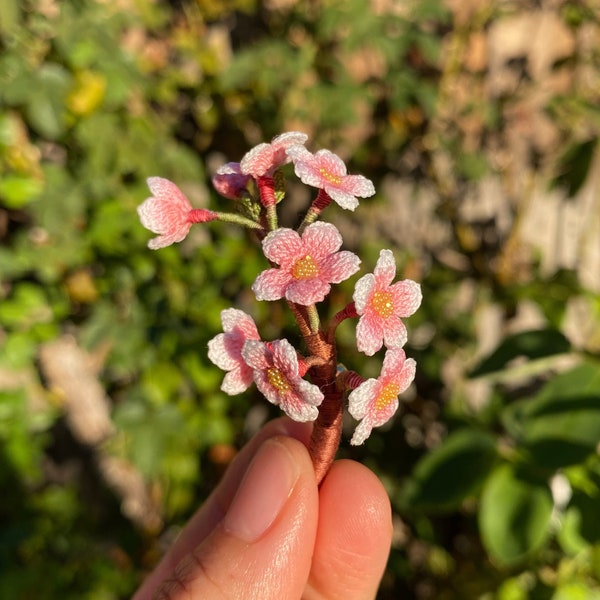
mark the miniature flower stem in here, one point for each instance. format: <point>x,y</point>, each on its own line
<point>349,380</point>
<point>266,189</point>
<point>348,312</point>
<point>313,318</point>
<point>319,203</point>
<point>238,220</point>
<point>327,430</point>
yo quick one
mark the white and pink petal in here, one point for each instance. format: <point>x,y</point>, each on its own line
<point>361,397</point>
<point>321,239</point>
<point>339,266</point>
<point>301,404</point>
<point>407,297</point>
<point>394,333</point>
<point>221,352</point>
<point>358,185</point>
<point>234,319</point>
<point>283,247</point>
<point>271,284</point>
<point>256,355</point>
<point>237,380</point>
<point>361,433</point>
<point>362,292</point>
<point>165,190</point>
<point>369,335</point>
<point>385,269</point>
<point>307,291</point>
<point>344,199</point>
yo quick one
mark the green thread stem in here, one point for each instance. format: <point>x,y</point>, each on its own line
<point>238,220</point>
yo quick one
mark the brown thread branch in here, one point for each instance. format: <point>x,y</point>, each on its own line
<point>348,312</point>
<point>322,201</point>
<point>327,430</point>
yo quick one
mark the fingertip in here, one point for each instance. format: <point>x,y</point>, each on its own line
<point>365,500</point>
<point>354,534</point>
<point>263,546</point>
<point>210,514</point>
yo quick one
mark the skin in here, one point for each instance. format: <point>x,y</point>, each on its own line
<point>267,531</point>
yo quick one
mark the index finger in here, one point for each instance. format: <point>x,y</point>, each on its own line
<point>214,508</point>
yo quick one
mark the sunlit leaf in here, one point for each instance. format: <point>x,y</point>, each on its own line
<point>529,344</point>
<point>514,515</point>
<point>560,425</point>
<point>16,191</point>
<point>451,472</point>
<point>87,94</point>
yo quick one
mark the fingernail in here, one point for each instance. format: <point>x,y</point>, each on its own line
<point>266,486</point>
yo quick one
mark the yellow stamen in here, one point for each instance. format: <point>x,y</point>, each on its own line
<point>388,394</point>
<point>278,380</point>
<point>335,179</point>
<point>383,304</point>
<point>305,268</point>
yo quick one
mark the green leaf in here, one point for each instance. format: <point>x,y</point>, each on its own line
<point>451,472</point>
<point>574,166</point>
<point>26,306</point>
<point>514,515</point>
<point>16,192</point>
<point>9,9</point>
<point>46,101</point>
<point>531,344</point>
<point>561,425</point>
<point>576,591</point>
<point>151,431</point>
<point>580,525</point>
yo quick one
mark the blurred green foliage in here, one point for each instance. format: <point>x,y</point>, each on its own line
<point>494,498</point>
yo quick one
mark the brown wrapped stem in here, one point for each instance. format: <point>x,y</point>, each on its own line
<point>327,430</point>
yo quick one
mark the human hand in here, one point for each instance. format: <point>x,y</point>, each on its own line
<point>268,532</point>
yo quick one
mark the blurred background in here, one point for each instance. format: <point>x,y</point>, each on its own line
<point>477,121</point>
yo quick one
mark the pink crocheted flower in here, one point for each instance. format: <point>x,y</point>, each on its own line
<point>327,171</point>
<point>169,213</point>
<point>307,264</point>
<point>381,306</point>
<point>265,158</point>
<point>277,376</point>
<point>375,401</point>
<point>225,350</point>
<point>230,182</point>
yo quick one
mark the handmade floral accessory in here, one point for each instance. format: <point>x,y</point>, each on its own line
<point>301,266</point>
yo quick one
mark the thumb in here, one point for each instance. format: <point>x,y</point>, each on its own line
<point>262,548</point>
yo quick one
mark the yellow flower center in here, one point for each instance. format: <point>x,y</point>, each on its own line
<point>383,304</point>
<point>278,380</point>
<point>388,394</point>
<point>335,179</point>
<point>305,268</point>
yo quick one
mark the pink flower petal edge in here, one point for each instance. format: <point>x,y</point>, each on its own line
<point>375,401</point>
<point>307,264</point>
<point>325,170</point>
<point>165,213</point>
<point>230,182</point>
<point>382,305</point>
<point>264,159</point>
<point>225,350</point>
<point>169,213</point>
<point>276,374</point>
